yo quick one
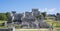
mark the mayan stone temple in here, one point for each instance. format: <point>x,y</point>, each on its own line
<point>28,20</point>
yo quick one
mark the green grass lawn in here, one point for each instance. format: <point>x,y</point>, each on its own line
<point>55,23</point>
<point>37,30</point>
<point>32,30</point>
<point>1,22</point>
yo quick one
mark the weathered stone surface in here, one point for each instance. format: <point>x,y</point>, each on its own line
<point>28,20</point>
<point>58,17</point>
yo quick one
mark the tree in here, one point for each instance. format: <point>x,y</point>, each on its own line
<point>39,16</point>
<point>58,13</point>
<point>8,14</point>
<point>3,17</point>
<point>44,14</point>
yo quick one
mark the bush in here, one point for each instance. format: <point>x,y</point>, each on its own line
<point>3,17</point>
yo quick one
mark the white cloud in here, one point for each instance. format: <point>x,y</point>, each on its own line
<point>49,10</point>
<point>52,9</point>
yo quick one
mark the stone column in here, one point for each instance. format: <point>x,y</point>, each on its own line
<point>12,28</point>
<point>5,23</point>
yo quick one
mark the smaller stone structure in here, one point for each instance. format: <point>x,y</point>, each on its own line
<point>58,17</point>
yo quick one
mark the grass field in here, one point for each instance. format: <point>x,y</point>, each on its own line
<point>54,23</point>
<point>1,22</point>
<point>32,30</point>
<point>37,30</point>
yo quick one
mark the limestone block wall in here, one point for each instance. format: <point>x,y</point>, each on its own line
<point>9,29</point>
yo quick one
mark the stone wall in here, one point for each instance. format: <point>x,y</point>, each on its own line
<point>4,29</point>
<point>9,29</point>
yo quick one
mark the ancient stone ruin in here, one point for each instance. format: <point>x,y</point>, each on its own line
<point>28,19</point>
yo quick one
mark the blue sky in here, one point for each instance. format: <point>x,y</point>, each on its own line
<point>50,6</point>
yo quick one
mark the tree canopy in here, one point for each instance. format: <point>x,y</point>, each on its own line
<point>44,14</point>
<point>7,14</point>
<point>3,16</point>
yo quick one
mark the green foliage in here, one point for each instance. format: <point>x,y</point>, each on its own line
<point>53,23</point>
<point>39,16</point>
<point>7,14</point>
<point>3,16</point>
<point>44,14</point>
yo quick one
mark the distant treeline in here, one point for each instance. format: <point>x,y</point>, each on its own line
<point>4,16</point>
